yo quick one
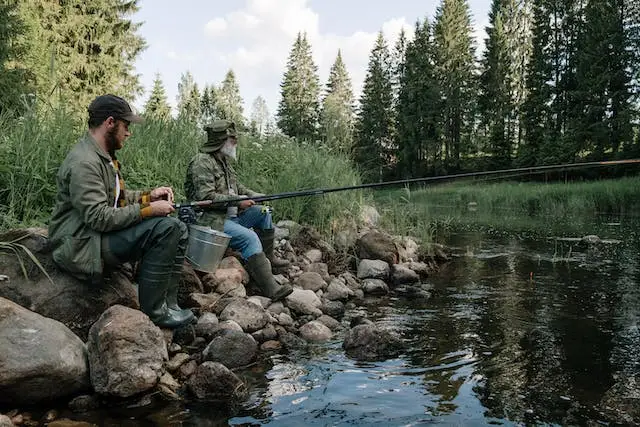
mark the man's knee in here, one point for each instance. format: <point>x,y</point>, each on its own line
<point>170,228</point>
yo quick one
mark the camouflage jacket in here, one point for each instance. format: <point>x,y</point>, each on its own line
<point>211,177</point>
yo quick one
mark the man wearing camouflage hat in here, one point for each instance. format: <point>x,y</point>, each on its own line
<point>210,176</point>
<point>97,222</point>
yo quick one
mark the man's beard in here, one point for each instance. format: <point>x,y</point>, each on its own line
<point>229,150</point>
<point>112,141</point>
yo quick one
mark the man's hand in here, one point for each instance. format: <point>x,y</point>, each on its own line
<point>162,193</point>
<point>246,204</point>
<point>161,208</point>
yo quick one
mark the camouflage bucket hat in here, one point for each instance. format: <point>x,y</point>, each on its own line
<point>217,134</point>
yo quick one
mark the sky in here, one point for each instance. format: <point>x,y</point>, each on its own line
<point>254,38</point>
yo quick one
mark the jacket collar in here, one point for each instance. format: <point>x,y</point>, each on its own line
<point>94,144</point>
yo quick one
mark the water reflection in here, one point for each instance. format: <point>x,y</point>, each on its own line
<point>519,330</point>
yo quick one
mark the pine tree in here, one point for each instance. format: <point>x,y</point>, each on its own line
<point>228,101</point>
<point>537,116</point>
<point>337,115</point>
<point>419,109</point>
<point>373,144</point>
<point>298,109</point>
<point>455,64</point>
<point>209,104</point>
<point>157,105</point>
<point>188,99</point>
<point>259,116</point>
<point>502,89</point>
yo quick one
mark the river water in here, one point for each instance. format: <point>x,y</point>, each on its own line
<point>520,328</point>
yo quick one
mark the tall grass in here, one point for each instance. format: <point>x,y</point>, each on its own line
<point>32,148</point>
<point>547,199</point>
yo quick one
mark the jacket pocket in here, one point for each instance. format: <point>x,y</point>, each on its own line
<point>76,256</point>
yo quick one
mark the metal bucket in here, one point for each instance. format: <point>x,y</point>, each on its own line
<point>206,248</point>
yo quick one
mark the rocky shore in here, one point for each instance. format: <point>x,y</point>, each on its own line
<point>65,341</point>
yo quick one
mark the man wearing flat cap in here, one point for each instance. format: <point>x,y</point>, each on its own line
<point>210,176</point>
<point>97,222</point>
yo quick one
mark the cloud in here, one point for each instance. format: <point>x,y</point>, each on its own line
<point>260,35</point>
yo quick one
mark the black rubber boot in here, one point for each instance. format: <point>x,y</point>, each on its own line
<point>184,314</point>
<point>267,238</point>
<point>259,269</point>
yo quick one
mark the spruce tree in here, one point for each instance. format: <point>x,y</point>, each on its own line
<point>157,105</point>
<point>337,115</point>
<point>455,65</point>
<point>298,109</point>
<point>229,101</point>
<point>419,111</point>
<point>373,144</point>
<point>188,99</point>
<point>209,104</point>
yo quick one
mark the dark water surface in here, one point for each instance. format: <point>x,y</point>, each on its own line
<point>520,329</point>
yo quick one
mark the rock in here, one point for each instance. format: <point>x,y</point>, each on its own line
<point>281,233</point>
<point>313,255</point>
<point>267,333</point>
<point>285,320</point>
<point>184,335</point>
<point>345,240</point>
<point>189,283</point>
<point>421,268</point>
<point>334,309</point>
<point>371,343</point>
<point>214,382</point>
<point>329,322</point>
<point>205,302</point>
<point>40,358</point>
<point>310,281</point>
<point>369,216</point>
<point>260,301</point>
<point>315,331</point>
<point>227,281</point>
<point>74,303</point>
<point>319,267</point>
<point>250,317</point>
<point>408,249</point>
<point>126,352</point>
<point>376,245</point>
<point>186,370</point>
<point>401,274</point>
<point>207,325</point>
<point>177,361</point>
<point>270,346</point>
<point>229,325</point>
<point>234,263</point>
<point>5,421</point>
<point>231,348</point>
<point>375,287</point>
<point>338,290</point>
<point>84,403</point>
<point>304,302</point>
<point>351,281</point>
<point>373,269</point>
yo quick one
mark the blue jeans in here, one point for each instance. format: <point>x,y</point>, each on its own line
<point>243,238</point>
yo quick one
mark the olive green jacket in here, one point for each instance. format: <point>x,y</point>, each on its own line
<point>85,209</point>
<point>211,177</point>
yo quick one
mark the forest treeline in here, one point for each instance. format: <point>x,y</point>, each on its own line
<point>557,81</point>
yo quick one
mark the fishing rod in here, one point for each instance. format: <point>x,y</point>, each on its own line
<point>188,207</point>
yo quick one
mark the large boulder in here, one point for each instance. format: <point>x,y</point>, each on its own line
<point>371,343</point>
<point>127,352</point>
<point>377,245</point>
<point>40,358</point>
<point>61,297</point>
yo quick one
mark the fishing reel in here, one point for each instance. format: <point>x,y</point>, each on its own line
<point>187,214</point>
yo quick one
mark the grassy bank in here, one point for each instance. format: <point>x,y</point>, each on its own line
<point>32,149</point>
<point>511,206</point>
